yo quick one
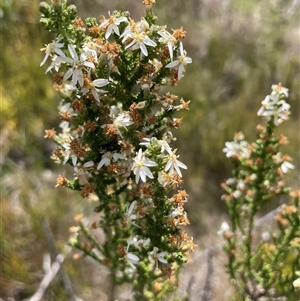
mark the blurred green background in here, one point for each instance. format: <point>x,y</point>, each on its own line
<point>239,49</point>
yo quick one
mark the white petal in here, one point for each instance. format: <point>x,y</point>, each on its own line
<point>168,165</point>
<point>144,49</point>
<point>149,42</point>
<point>180,71</point>
<point>116,30</point>
<point>75,77</point>
<point>121,19</point>
<point>147,171</point>
<point>172,64</point>
<point>149,162</point>
<point>66,158</point>
<point>225,226</point>
<point>137,176</point>
<point>100,82</point>
<point>104,23</point>
<point>88,164</point>
<point>181,48</point>
<point>286,166</point>
<point>133,257</point>
<point>59,52</point>
<point>170,50</point>
<point>45,59</point>
<point>130,44</point>
<point>181,165</point>
<point>117,156</point>
<point>80,77</point>
<point>131,207</point>
<point>73,52</point>
<point>64,60</point>
<point>143,175</point>
<point>164,34</point>
<point>68,74</point>
<point>178,171</point>
<point>95,94</point>
<point>74,160</point>
<point>89,64</point>
<point>108,31</point>
<point>260,111</point>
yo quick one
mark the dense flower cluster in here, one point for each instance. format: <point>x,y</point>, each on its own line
<point>259,265</point>
<point>274,105</point>
<point>250,156</point>
<point>116,129</point>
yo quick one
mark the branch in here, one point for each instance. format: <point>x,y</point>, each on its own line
<point>207,289</point>
<point>65,278</point>
<point>49,276</point>
<point>52,270</point>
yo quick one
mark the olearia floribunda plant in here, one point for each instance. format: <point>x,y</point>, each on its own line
<point>116,125</point>
<point>262,266</point>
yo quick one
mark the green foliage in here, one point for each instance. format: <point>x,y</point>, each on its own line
<point>111,137</point>
<point>263,266</point>
<point>238,51</point>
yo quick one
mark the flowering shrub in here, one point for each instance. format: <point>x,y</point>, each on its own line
<point>116,125</point>
<point>262,268</point>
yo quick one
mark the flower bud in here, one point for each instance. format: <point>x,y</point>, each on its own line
<point>45,22</point>
<point>72,11</point>
<point>90,22</point>
<point>141,105</point>
<point>45,9</point>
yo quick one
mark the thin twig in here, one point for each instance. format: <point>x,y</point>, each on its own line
<point>49,276</point>
<point>64,276</point>
<point>189,288</point>
<point>207,289</point>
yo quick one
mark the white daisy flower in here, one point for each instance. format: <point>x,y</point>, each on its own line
<point>267,104</point>
<point>169,40</point>
<point>236,148</point>
<point>92,86</point>
<point>122,120</point>
<point>285,166</point>
<point>132,259</point>
<point>139,41</point>
<point>69,154</point>
<point>77,65</point>
<point>52,48</point>
<point>174,164</point>
<point>181,62</point>
<point>224,228</point>
<point>83,169</point>
<point>66,112</point>
<point>141,243</point>
<point>55,64</point>
<point>129,215</point>
<point>154,256</point>
<point>108,157</point>
<point>112,24</point>
<point>140,167</point>
<point>278,89</point>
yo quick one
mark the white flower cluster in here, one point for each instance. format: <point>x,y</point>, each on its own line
<point>137,243</point>
<point>79,65</point>
<point>252,157</point>
<point>274,105</point>
<point>115,125</point>
<point>237,148</point>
